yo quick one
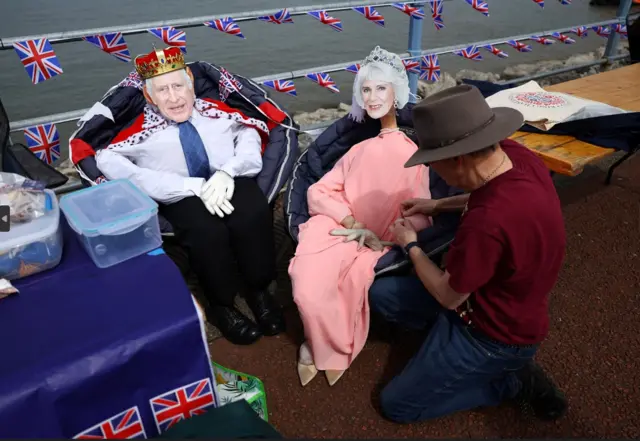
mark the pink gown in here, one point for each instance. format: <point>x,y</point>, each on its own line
<point>331,278</point>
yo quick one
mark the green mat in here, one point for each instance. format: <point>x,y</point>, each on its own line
<point>233,386</point>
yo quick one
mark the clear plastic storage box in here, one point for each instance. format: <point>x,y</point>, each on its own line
<point>114,221</point>
<point>32,247</point>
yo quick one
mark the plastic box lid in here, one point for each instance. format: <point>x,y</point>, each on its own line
<point>40,228</point>
<point>112,208</point>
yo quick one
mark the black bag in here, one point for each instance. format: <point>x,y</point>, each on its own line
<point>18,159</point>
<point>633,32</point>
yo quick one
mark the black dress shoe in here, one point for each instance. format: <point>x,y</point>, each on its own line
<point>235,326</point>
<point>540,393</point>
<point>268,314</point>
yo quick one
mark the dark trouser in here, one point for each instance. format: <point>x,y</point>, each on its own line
<point>213,242</point>
<point>455,369</point>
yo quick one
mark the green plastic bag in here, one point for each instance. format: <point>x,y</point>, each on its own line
<point>233,386</point>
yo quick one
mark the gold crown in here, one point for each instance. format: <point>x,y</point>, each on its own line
<point>158,62</point>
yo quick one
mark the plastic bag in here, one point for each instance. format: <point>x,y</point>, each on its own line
<point>26,199</point>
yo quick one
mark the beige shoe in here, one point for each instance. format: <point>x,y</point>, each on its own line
<point>333,376</point>
<point>306,369</point>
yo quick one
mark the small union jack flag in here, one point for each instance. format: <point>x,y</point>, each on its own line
<point>284,86</point>
<point>520,47</point>
<point>226,25</point>
<point>325,18</point>
<point>227,84</point>
<point>565,2</point>
<point>580,31</point>
<point>437,7</point>
<point>479,6</point>
<point>171,36</point>
<point>132,80</point>
<point>540,2</point>
<point>43,140</point>
<point>412,66</point>
<point>602,31</point>
<point>412,11</point>
<point>112,44</point>
<point>563,38</point>
<point>542,40</point>
<point>620,29</point>
<point>353,68</point>
<point>430,67</point>
<point>470,52</point>
<point>496,51</point>
<point>370,13</point>
<point>181,403</point>
<point>38,58</point>
<point>125,425</point>
<point>282,16</point>
<point>324,80</point>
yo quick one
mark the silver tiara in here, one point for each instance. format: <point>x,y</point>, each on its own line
<point>378,55</point>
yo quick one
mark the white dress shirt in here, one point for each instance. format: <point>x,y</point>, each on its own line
<point>158,167</point>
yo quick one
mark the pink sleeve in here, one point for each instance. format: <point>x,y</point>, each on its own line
<point>421,190</point>
<point>327,195</point>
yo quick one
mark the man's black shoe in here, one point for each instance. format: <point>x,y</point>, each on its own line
<point>235,326</point>
<point>540,393</point>
<point>268,314</point>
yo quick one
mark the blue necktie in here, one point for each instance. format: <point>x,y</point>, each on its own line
<point>194,152</point>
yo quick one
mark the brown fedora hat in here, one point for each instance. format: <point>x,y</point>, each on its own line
<point>457,121</point>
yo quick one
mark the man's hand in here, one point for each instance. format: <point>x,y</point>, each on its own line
<point>218,188</point>
<point>428,207</point>
<point>403,232</point>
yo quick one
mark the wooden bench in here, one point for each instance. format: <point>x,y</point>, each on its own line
<point>565,154</point>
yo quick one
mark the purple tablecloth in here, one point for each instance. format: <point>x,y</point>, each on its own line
<point>114,352</point>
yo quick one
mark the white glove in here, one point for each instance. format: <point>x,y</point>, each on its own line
<point>218,188</point>
<point>363,236</point>
<point>219,210</point>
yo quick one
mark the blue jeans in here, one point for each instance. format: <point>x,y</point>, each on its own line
<point>455,369</point>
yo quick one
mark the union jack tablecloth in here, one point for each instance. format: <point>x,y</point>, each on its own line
<point>101,353</point>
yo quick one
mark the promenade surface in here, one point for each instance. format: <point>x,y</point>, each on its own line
<point>591,352</point>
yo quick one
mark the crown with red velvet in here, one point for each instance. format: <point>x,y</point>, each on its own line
<point>159,61</point>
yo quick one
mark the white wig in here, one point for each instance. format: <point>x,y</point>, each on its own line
<point>150,85</point>
<point>385,66</point>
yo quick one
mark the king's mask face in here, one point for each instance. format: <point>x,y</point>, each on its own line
<point>173,94</point>
<point>378,98</point>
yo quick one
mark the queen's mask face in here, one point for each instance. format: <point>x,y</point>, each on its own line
<point>377,97</point>
<point>172,95</point>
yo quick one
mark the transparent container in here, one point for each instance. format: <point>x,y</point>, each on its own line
<point>114,221</point>
<point>32,247</point>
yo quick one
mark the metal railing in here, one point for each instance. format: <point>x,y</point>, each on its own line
<point>414,45</point>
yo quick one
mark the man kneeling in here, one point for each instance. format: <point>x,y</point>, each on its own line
<point>198,158</point>
<point>488,311</point>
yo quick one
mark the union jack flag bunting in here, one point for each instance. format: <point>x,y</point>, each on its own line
<point>370,13</point>
<point>479,6</point>
<point>125,425</point>
<point>520,47</point>
<point>282,16</point>
<point>437,7</point>
<point>284,86</point>
<point>496,51</point>
<point>171,36</point>
<point>182,403</point>
<point>412,11</point>
<point>353,68</point>
<point>563,38</point>
<point>540,2</point>
<point>324,80</point>
<point>602,31</point>
<point>226,25</point>
<point>565,2</point>
<point>112,43</point>
<point>430,67</point>
<point>620,29</point>
<point>470,53</point>
<point>43,140</point>
<point>38,58</point>
<point>542,40</point>
<point>580,31</point>
<point>412,66</point>
<point>325,18</point>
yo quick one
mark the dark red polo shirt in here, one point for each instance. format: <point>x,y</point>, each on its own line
<point>509,249</point>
